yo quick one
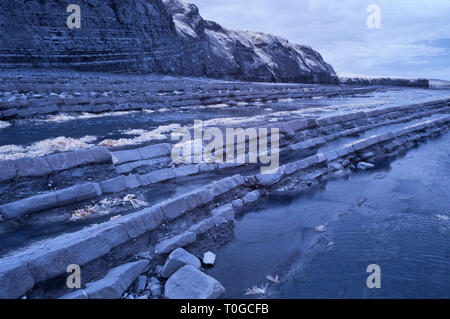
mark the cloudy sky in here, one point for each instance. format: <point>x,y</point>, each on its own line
<point>413,41</point>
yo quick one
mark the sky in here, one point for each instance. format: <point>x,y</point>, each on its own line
<point>413,39</point>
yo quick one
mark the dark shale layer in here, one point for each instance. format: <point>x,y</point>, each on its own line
<point>150,36</point>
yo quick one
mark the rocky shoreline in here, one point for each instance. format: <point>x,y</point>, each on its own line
<point>116,252</point>
<point>88,115</point>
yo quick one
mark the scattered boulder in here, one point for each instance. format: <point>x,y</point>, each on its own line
<point>154,286</point>
<point>270,179</point>
<point>177,259</point>
<point>251,197</point>
<point>209,258</point>
<point>346,163</point>
<point>365,166</point>
<point>367,155</point>
<point>142,282</point>
<point>237,203</point>
<point>190,283</point>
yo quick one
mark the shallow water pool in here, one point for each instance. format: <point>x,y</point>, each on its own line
<point>396,217</point>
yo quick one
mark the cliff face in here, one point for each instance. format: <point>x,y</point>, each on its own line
<point>115,35</point>
<point>248,55</point>
<point>161,36</point>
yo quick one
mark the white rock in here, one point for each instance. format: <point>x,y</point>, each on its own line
<point>320,229</point>
<point>365,166</point>
<point>209,258</point>
<point>190,283</point>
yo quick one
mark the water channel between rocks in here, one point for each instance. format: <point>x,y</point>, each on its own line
<point>396,216</point>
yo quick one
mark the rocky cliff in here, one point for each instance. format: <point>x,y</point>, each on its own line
<point>248,55</point>
<point>160,36</point>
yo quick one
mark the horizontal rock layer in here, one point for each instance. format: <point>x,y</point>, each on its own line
<point>387,81</point>
<point>326,129</point>
<point>42,166</point>
<point>113,285</point>
<point>167,37</point>
<point>20,272</point>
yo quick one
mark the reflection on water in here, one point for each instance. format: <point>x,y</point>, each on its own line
<point>396,217</point>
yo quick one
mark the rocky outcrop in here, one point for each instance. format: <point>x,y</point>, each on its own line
<point>385,81</point>
<point>190,216</point>
<point>248,55</point>
<point>152,36</point>
<point>115,36</point>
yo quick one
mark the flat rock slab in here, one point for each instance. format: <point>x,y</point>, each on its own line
<point>32,166</point>
<point>113,285</point>
<point>190,283</point>
<point>155,287</point>
<point>15,279</point>
<point>175,242</point>
<point>28,205</point>
<point>8,169</point>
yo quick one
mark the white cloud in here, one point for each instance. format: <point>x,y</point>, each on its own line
<point>338,30</point>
